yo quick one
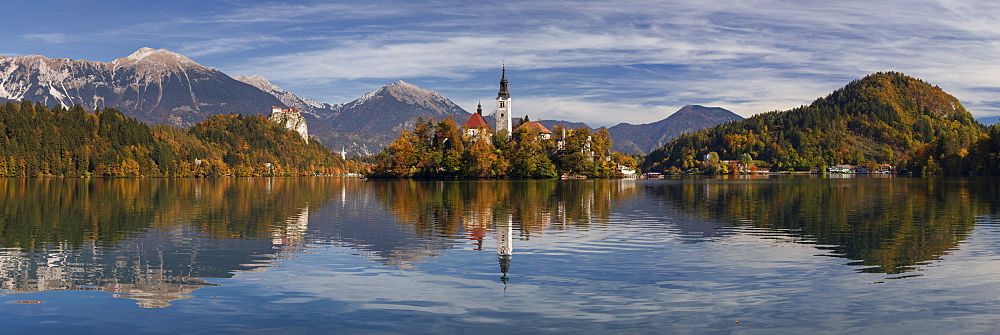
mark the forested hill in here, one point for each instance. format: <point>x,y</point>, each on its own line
<point>40,141</point>
<point>883,118</point>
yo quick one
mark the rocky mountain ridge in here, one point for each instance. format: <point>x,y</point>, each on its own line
<point>154,86</point>
<point>289,99</point>
<point>643,138</point>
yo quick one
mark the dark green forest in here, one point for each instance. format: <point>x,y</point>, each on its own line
<point>39,141</point>
<point>884,118</point>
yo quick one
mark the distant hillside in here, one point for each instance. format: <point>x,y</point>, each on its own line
<point>882,118</point>
<point>643,138</point>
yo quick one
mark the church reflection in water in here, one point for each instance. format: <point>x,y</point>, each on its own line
<point>505,247</point>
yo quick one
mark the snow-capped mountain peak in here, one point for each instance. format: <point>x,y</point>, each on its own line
<point>160,56</point>
<point>141,53</point>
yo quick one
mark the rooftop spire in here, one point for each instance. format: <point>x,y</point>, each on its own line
<point>503,84</point>
<point>479,109</point>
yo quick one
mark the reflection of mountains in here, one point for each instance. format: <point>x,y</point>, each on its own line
<point>150,240</point>
<point>888,225</point>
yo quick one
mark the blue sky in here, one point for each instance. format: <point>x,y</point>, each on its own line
<point>600,62</point>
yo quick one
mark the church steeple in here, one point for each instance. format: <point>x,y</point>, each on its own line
<point>503,84</point>
<point>503,120</point>
<point>479,109</point>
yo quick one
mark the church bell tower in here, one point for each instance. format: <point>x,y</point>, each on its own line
<point>503,105</point>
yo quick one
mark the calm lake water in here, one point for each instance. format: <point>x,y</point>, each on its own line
<point>339,255</point>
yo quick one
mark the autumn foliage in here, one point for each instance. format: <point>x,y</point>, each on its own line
<point>37,141</point>
<point>884,118</point>
<point>442,150</point>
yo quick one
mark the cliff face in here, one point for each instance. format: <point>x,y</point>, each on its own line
<point>291,119</point>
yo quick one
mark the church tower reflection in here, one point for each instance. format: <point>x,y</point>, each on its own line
<point>505,245</point>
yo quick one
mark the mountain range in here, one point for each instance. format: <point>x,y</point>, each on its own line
<point>154,86</point>
<point>157,86</point>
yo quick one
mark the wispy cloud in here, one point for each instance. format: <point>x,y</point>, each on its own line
<point>227,45</point>
<point>296,13</point>
<point>47,38</point>
<point>593,58</point>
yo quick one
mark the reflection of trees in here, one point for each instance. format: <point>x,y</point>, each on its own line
<point>448,209</point>
<point>444,211</point>
<point>151,240</point>
<point>887,225</point>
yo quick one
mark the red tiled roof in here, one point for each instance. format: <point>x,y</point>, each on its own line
<point>476,121</point>
<point>534,126</point>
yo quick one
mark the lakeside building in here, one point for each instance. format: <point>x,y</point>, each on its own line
<point>477,124</point>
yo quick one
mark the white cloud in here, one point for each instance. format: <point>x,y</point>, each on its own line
<point>54,38</point>
<point>226,45</point>
<point>296,13</point>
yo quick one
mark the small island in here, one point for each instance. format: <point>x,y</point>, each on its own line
<point>528,150</point>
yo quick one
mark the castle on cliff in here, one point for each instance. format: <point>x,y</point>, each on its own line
<point>291,119</point>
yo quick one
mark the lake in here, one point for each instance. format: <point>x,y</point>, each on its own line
<point>779,254</point>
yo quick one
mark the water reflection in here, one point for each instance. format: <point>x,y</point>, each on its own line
<point>886,225</point>
<point>154,241</point>
<point>883,225</point>
<point>432,217</point>
<point>158,241</point>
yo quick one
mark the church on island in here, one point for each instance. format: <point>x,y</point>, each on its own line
<point>500,146</point>
<point>477,125</point>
